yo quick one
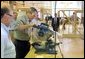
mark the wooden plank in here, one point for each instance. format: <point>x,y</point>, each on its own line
<point>32,54</point>
<point>71,36</point>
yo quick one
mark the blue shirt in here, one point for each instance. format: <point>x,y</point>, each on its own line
<point>7,47</point>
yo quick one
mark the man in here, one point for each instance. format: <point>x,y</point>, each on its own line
<point>32,32</point>
<point>7,47</point>
<point>75,19</point>
<point>12,24</point>
<point>55,23</point>
<point>22,31</point>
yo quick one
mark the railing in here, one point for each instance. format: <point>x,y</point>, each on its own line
<point>72,29</point>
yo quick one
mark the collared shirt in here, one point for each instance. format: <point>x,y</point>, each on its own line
<point>12,24</point>
<point>21,35</point>
<point>33,32</point>
<point>25,34</point>
<point>34,21</point>
<point>7,47</point>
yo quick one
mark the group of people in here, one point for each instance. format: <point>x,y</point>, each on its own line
<point>19,45</point>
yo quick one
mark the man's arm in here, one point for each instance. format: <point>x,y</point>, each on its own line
<point>21,24</point>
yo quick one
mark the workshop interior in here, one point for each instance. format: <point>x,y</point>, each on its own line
<point>42,29</point>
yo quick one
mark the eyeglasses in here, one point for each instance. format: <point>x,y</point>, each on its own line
<point>9,14</point>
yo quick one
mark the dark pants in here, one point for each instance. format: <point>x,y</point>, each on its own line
<point>22,48</point>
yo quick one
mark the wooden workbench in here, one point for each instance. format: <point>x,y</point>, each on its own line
<point>32,54</point>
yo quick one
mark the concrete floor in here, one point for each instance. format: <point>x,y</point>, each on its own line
<point>72,48</point>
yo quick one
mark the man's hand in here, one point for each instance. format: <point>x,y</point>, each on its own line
<point>31,25</point>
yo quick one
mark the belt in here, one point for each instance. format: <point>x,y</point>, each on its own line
<point>22,40</point>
